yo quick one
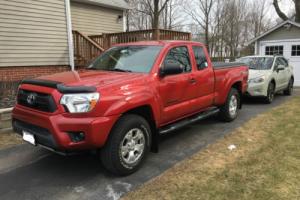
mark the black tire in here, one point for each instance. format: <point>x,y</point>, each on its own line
<point>111,155</point>
<point>289,90</point>
<point>271,93</point>
<point>225,113</point>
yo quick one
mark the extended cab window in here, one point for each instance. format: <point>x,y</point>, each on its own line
<point>180,56</point>
<point>200,57</point>
<point>127,59</point>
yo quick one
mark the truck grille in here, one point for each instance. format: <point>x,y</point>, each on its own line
<point>36,100</point>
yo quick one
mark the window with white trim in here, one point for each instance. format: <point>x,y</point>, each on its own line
<point>274,50</point>
<point>295,50</point>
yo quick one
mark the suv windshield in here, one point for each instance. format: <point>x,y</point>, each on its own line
<point>127,59</point>
<point>257,63</point>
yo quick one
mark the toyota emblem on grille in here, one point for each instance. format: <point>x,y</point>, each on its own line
<point>31,98</point>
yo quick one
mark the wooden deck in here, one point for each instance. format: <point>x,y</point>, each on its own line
<point>86,48</point>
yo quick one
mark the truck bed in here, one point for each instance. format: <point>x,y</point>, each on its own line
<point>221,65</point>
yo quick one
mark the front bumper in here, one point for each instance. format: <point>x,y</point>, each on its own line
<point>256,89</point>
<point>53,131</point>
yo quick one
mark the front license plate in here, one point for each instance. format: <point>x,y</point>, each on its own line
<point>28,137</point>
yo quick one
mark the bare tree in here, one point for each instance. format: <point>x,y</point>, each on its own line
<point>200,11</point>
<point>154,8</point>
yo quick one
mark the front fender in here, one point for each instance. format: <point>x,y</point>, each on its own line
<point>135,100</point>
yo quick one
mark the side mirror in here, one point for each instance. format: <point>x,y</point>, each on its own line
<point>170,69</point>
<point>280,67</point>
<point>202,65</point>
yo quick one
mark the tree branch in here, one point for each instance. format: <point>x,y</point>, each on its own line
<point>278,10</point>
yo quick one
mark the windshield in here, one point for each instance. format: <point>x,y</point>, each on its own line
<point>257,63</point>
<point>127,59</point>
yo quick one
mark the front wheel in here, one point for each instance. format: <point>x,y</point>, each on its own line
<point>127,145</point>
<point>270,94</point>
<point>289,90</point>
<point>229,110</point>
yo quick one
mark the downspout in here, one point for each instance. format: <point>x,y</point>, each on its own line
<point>69,33</point>
<point>255,48</point>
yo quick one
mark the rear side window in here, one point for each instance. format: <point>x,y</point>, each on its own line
<point>200,57</point>
<point>180,56</point>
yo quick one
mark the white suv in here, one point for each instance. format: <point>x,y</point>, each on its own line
<point>268,75</point>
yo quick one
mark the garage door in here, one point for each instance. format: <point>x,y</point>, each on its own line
<point>290,50</point>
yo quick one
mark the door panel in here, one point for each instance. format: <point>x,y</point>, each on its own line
<point>282,74</point>
<point>175,90</point>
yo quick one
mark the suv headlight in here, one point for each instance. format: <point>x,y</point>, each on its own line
<point>257,79</point>
<point>80,103</point>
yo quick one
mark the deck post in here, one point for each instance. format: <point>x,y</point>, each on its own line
<point>156,34</point>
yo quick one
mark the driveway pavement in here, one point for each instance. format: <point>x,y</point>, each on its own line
<point>28,172</point>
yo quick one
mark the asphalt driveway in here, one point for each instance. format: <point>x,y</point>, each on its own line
<point>28,172</point>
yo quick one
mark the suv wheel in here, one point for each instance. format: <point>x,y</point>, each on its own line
<point>127,145</point>
<point>271,93</point>
<point>289,90</point>
<point>229,110</point>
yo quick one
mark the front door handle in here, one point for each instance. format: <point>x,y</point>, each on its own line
<point>192,80</point>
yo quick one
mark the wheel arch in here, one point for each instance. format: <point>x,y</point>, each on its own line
<point>239,87</point>
<point>273,81</point>
<point>147,113</point>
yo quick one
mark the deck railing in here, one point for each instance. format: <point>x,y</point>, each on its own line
<point>108,39</point>
<point>85,49</point>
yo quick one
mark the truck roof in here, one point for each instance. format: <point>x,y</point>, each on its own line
<point>159,43</point>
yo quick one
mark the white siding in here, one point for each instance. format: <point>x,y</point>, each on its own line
<point>33,33</point>
<point>93,20</point>
<point>287,50</point>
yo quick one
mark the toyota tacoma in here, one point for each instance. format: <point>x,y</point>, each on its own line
<point>126,98</point>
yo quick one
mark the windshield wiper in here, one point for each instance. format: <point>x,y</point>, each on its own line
<point>120,70</point>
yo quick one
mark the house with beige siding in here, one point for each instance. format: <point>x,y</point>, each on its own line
<point>36,35</point>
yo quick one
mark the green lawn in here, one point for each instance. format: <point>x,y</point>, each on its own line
<point>265,164</point>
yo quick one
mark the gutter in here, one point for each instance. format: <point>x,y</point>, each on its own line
<point>69,33</point>
<point>112,6</point>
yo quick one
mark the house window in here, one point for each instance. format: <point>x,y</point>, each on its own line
<point>295,50</point>
<point>274,50</point>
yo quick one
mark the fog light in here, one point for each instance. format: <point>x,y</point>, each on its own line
<point>77,136</point>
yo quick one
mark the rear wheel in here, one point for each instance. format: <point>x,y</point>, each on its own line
<point>289,90</point>
<point>271,93</point>
<point>127,145</point>
<point>229,110</point>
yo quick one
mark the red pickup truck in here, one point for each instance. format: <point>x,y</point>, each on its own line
<point>126,98</point>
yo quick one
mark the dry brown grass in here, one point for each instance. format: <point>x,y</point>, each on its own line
<point>9,139</point>
<point>265,165</point>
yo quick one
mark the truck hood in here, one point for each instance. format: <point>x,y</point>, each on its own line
<point>92,77</point>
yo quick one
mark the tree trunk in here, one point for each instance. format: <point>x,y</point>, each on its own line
<point>297,8</point>
<point>155,22</point>
<point>207,35</point>
<point>127,21</point>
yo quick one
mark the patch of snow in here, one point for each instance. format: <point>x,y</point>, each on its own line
<point>112,194</point>
<point>79,189</point>
<point>121,187</point>
<point>231,147</point>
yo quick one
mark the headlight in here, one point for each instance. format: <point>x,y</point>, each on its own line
<point>80,103</point>
<point>257,80</point>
